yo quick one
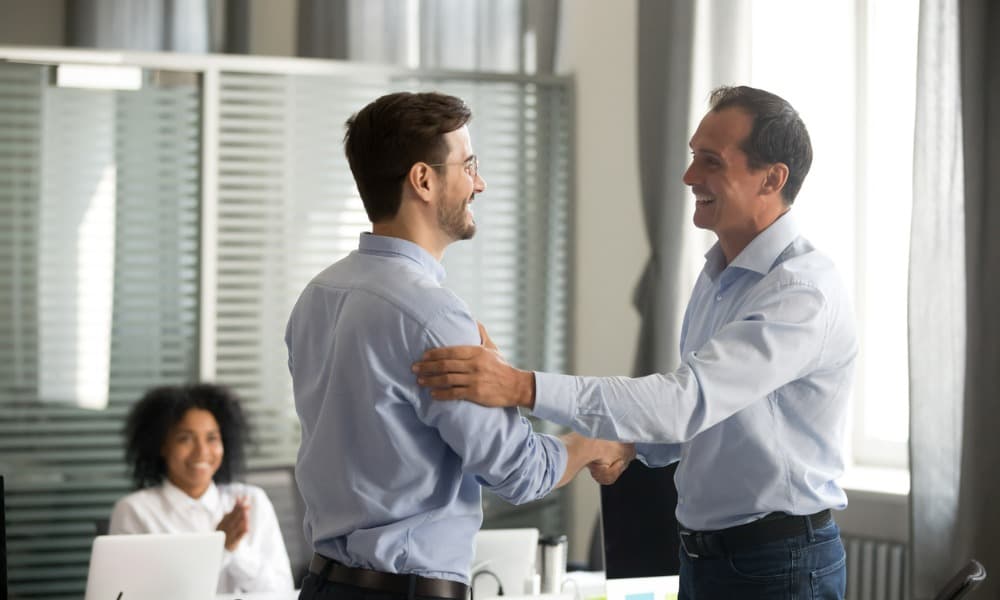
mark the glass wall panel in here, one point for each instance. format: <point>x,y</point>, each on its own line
<point>99,197</point>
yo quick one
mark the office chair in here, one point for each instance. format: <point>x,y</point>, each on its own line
<point>963,582</point>
<point>279,485</point>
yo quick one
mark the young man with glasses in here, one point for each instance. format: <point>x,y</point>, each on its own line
<point>391,479</point>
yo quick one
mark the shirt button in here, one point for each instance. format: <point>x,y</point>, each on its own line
<point>718,298</point>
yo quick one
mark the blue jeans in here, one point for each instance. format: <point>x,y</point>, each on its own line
<point>812,565</point>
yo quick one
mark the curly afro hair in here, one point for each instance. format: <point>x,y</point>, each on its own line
<point>163,407</point>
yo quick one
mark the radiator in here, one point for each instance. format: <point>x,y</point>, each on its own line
<point>876,569</point>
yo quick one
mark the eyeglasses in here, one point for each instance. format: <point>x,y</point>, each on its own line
<point>471,165</point>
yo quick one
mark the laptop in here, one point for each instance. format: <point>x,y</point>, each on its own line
<point>170,566</point>
<point>504,557</point>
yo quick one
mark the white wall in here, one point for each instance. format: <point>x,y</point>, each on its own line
<point>599,49</point>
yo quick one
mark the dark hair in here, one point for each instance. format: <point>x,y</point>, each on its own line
<point>384,139</point>
<point>778,133</point>
<point>163,407</point>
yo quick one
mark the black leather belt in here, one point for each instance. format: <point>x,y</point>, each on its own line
<point>771,528</point>
<point>393,583</point>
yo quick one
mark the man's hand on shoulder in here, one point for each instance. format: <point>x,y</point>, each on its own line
<point>476,373</point>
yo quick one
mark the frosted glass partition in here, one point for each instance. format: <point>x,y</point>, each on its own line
<point>161,235</point>
<point>99,191</point>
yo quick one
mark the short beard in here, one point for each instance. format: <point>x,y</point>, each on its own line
<point>453,223</point>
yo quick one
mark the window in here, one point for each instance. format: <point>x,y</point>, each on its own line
<point>850,70</point>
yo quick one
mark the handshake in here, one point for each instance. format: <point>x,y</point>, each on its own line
<point>606,460</point>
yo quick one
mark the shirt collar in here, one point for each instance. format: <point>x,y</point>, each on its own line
<point>176,497</point>
<point>392,246</point>
<point>762,251</point>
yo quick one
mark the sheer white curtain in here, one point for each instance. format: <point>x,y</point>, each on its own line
<point>936,301</point>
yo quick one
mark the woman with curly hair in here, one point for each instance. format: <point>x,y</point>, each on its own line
<point>185,446</point>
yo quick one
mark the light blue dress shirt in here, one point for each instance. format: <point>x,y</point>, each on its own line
<point>391,478</point>
<point>757,409</point>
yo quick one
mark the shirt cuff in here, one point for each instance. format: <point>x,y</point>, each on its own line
<point>242,564</point>
<point>658,455</point>
<point>555,398</point>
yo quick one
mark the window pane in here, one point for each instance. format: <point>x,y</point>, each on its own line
<point>852,78</point>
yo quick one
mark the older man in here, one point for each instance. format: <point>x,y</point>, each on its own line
<point>756,411</point>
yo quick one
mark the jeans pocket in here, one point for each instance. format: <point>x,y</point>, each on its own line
<point>768,563</point>
<point>829,582</point>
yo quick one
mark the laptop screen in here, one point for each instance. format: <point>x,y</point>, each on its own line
<point>155,566</point>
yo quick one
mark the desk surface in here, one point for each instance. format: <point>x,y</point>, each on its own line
<point>289,595</point>
<point>578,585</point>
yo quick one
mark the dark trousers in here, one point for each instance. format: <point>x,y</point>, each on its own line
<point>812,565</point>
<point>315,588</point>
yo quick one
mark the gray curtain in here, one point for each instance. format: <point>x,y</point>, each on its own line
<point>980,54</point>
<point>485,35</point>
<point>954,326</point>
<point>666,52</point>
<point>677,70</point>
<point>322,29</point>
<point>147,25</point>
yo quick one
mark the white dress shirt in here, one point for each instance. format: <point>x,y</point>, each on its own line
<point>259,563</point>
<point>756,411</point>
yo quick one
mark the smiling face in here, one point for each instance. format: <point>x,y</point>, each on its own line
<point>193,451</point>
<point>727,192</point>
<point>461,183</point>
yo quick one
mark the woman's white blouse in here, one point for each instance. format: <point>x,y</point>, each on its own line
<point>259,563</point>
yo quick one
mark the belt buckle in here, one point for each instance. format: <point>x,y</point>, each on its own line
<point>684,536</point>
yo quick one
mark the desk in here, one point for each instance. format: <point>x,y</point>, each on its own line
<point>592,585</point>
<point>289,595</point>
<point>577,585</point>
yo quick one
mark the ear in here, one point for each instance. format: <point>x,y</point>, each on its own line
<point>422,179</point>
<point>774,179</point>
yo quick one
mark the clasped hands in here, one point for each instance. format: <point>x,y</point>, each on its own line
<point>606,460</point>
<point>481,375</point>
